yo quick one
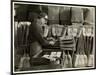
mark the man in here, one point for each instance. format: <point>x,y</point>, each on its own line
<point>36,39</point>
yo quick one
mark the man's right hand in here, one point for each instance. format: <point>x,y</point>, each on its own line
<point>51,42</point>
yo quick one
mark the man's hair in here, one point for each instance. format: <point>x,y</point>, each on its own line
<point>42,14</point>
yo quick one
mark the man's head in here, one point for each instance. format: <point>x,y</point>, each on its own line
<point>43,17</point>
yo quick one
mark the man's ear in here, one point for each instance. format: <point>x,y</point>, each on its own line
<point>46,17</point>
<point>38,22</point>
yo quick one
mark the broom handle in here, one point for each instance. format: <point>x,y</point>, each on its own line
<point>90,44</point>
<point>65,30</point>
<point>77,40</point>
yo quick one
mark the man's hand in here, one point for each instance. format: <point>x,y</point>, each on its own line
<point>51,42</point>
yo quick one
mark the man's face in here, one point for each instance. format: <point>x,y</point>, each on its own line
<point>44,20</point>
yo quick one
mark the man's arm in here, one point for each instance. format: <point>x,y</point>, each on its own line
<point>37,33</point>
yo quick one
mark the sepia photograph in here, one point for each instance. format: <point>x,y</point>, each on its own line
<point>49,37</point>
